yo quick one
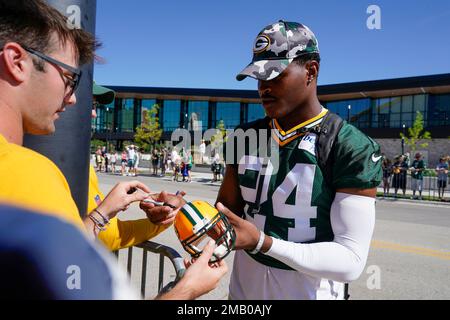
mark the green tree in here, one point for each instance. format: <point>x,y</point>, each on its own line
<point>219,138</point>
<point>95,143</point>
<point>149,133</point>
<point>416,133</point>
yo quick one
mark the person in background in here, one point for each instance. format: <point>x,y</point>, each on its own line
<point>387,172</point>
<point>155,161</point>
<point>184,171</point>
<point>137,158</point>
<point>124,162</point>
<point>189,162</point>
<point>399,170</point>
<point>131,153</point>
<point>98,159</point>
<point>202,150</point>
<point>104,161</point>
<point>113,162</point>
<point>442,176</point>
<point>407,159</point>
<point>175,164</point>
<point>216,167</point>
<point>163,161</point>
<point>417,169</point>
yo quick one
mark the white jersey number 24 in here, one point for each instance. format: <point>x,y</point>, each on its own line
<point>300,179</point>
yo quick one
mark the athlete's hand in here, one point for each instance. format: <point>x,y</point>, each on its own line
<point>247,235</point>
<point>166,214</point>
<point>121,196</point>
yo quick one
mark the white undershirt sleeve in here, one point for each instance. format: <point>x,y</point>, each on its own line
<point>343,259</point>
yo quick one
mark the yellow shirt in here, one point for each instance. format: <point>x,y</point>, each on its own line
<point>120,234</point>
<point>29,179</point>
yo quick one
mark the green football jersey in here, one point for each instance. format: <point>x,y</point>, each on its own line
<point>295,200</point>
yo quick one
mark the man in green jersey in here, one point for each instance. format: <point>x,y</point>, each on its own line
<point>301,231</point>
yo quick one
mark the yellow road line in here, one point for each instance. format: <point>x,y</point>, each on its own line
<point>377,244</point>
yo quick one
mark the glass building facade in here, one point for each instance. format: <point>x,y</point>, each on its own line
<point>392,112</point>
<point>375,114</point>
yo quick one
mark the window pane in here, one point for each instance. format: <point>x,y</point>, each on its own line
<point>419,103</point>
<point>197,115</point>
<point>439,110</point>
<point>339,107</point>
<point>408,119</point>
<point>395,120</point>
<point>374,105</point>
<point>126,115</point>
<point>357,111</point>
<point>360,112</point>
<point>383,105</point>
<point>230,113</point>
<point>171,115</point>
<point>255,112</point>
<point>407,104</point>
<point>396,104</point>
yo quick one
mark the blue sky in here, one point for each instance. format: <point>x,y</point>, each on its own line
<point>205,43</point>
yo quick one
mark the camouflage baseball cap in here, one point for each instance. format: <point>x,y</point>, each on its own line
<point>275,48</point>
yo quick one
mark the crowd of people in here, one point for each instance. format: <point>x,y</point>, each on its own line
<point>162,161</point>
<point>395,174</point>
<point>127,160</point>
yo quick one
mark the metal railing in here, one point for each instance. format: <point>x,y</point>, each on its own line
<point>164,252</point>
<point>429,189</point>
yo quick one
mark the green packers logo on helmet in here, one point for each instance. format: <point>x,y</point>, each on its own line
<point>197,223</point>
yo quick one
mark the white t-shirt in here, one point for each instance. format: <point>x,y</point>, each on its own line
<point>131,154</point>
<point>202,148</point>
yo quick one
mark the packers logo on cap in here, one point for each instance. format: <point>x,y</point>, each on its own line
<point>262,43</point>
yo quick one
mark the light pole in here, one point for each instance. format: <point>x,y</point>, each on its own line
<point>108,128</point>
<point>403,139</point>
<point>348,113</point>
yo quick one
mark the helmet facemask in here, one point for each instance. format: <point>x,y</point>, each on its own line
<point>217,229</point>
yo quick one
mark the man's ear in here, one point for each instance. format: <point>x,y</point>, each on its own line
<point>16,61</point>
<point>312,70</point>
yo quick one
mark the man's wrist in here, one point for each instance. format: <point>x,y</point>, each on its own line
<point>182,291</point>
<point>106,211</point>
<point>260,243</point>
<point>267,244</point>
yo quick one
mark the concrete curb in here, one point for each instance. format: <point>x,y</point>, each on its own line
<point>415,202</point>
